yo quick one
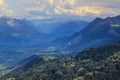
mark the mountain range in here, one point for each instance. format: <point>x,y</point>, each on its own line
<point>98,32</point>
<point>19,32</point>
<point>58,28</point>
<point>69,28</point>
<point>75,54</point>
<point>22,32</point>
<point>19,39</point>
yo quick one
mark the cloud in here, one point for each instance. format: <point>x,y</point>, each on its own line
<point>4,9</point>
<point>85,10</point>
<point>85,7</point>
<point>63,8</point>
<point>34,9</point>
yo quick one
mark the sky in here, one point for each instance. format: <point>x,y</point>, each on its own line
<point>46,9</point>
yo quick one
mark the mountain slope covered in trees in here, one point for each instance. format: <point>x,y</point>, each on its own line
<point>102,63</point>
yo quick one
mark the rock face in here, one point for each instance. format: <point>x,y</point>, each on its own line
<point>98,32</point>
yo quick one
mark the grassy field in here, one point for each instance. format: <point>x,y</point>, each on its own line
<point>2,66</point>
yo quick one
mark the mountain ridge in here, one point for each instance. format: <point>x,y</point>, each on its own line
<point>19,32</point>
<point>97,33</point>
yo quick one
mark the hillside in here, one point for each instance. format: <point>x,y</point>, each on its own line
<point>19,32</point>
<point>102,63</point>
<point>98,32</point>
<point>68,28</point>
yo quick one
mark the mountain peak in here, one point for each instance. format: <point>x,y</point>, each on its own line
<point>98,19</point>
<point>98,32</point>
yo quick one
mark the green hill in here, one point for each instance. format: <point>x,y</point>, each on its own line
<point>102,63</point>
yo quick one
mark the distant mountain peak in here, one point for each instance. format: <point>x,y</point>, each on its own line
<point>98,19</point>
<point>98,32</point>
<point>18,32</point>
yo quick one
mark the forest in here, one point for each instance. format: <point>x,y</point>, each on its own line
<point>102,63</point>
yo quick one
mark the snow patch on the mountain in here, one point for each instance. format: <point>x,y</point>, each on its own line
<point>11,23</point>
<point>115,25</point>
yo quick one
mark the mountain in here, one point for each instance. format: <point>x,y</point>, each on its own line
<point>100,63</point>
<point>47,26</point>
<point>19,32</point>
<point>59,27</point>
<point>97,33</point>
<point>69,28</point>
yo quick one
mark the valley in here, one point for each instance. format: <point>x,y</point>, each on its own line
<point>12,56</point>
<point>82,52</point>
<point>100,63</point>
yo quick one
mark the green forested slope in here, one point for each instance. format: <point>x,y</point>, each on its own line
<point>101,63</point>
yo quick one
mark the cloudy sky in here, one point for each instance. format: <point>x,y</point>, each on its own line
<point>44,9</point>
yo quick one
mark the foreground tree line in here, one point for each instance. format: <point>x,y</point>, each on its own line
<point>102,63</point>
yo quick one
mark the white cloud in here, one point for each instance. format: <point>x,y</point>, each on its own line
<point>53,8</point>
<point>34,9</point>
<point>4,9</point>
<point>1,1</point>
<point>85,10</point>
